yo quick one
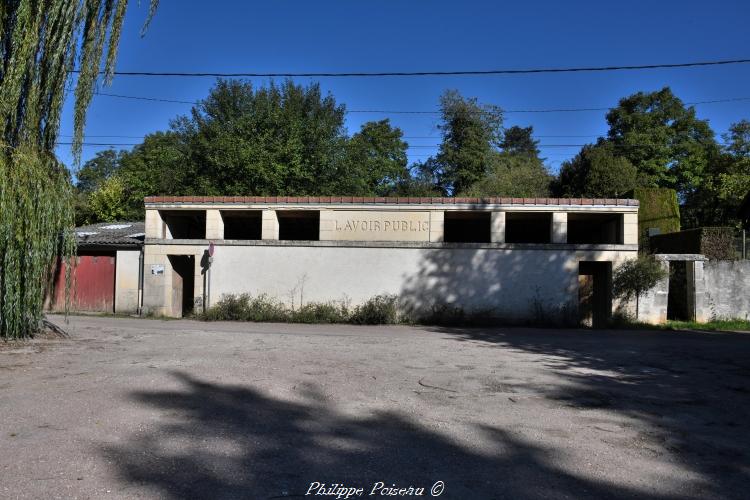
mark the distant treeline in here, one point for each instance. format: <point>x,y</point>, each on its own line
<point>290,140</point>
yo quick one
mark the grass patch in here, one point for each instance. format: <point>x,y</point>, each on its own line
<point>724,325</point>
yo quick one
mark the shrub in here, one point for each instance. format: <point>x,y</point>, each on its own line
<point>379,310</point>
<point>635,277</point>
<point>327,312</point>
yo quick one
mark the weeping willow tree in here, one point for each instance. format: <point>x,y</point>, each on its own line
<point>45,47</point>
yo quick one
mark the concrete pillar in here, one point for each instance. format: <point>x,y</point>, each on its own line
<point>154,225</point>
<point>214,225</point>
<point>559,227</point>
<point>437,225</point>
<point>497,228</point>
<point>270,225</point>
<point>629,229</point>
<point>327,227</point>
<point>652,306</point>
<point>697,297</point>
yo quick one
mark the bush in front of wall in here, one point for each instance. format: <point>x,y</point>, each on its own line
<point>379,310</point>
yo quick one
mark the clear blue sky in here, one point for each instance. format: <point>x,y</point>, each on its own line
<point>414,35</point>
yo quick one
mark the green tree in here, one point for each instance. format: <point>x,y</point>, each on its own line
<point>278,140</point>
<point>161,165</point>
<point>520,141</point>
<point>635,277</point>
<point>101,167</point>
<point>716,201</point>
<point>515,175</point>
<point>375,161</point>
<point>596,172</point>
<point>41,41</point>
<point>663,139</point>
<point>107,203</point>
<point>471,133</point>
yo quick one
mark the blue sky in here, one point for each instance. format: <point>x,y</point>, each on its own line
<point>414,35</point>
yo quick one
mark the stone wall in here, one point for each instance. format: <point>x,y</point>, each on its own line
<point>726,290</point>
<point>126,281</point>
<point>511,284</point>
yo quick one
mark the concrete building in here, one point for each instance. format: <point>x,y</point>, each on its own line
<point>514,259</point>
<point>107,272</point>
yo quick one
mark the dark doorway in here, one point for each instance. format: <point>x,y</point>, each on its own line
<point>677,300</point>
<point>595,293</point>
<point>183,282</point>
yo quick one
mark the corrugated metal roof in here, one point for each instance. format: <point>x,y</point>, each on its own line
<point>114,234</point>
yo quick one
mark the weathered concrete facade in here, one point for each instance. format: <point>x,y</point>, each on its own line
<point>512,258</point>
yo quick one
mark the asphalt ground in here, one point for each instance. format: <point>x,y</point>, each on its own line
<point>138,408</point>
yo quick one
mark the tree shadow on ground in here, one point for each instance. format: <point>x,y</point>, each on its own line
<point>689,392</point>
<point>233,441</point>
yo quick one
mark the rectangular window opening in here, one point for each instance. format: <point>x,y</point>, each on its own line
<point>299,225</point>
<point>467,227</point>
<point>185,224</point>
<point>242,224</point>
<point>528,227</point>
<point>594,228</point>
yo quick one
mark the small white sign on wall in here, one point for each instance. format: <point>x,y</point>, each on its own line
<point>157,269</point>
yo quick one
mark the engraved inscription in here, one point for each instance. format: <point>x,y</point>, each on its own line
<point>354,225</point>
<point>372,225</point>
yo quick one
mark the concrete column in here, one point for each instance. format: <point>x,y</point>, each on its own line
<point>697,296</point>
<point>497,231</point>
<point>629,229</point>
<point>437,225</point>
<point>652,306</point>
<point>327,227</point>
<point>154,224</point>
<point>270,227</point>
<point>214,225</point>
<point>559,227</point>
<point>198,305</point>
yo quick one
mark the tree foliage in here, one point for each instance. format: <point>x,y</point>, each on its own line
<point>716,201</point>
<point>663,139</point>
<point>520,141</point>
<point>596,172</point>
<point>375,161</point>
<point>97,170</point>
<point>107,202</point>
<point>516,175</point>
<point>471,132</point>
<point>41,41</point>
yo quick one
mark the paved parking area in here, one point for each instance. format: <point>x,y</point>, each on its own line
<point>130,408</point>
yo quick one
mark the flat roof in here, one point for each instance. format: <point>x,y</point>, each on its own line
<point>359,200</point>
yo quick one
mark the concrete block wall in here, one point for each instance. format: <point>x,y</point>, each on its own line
<point>497,228</point>
<point>157,288</point>
<point>723,290</point>
<point>269,225</point>
<point>630,229</point>
<point>652,306</point>
<point>126,281</point>
<point>214,225</point>
<point>559,227</point>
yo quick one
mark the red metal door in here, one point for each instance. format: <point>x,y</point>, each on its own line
<point>93,286</point>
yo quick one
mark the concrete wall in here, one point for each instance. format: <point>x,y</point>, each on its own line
<point>511,283</point>
<point>723,290</point>
<point>652,306</point>
<point>126,281</point>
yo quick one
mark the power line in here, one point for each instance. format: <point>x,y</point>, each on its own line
<point>440,73</point>
<point>434,112</point>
